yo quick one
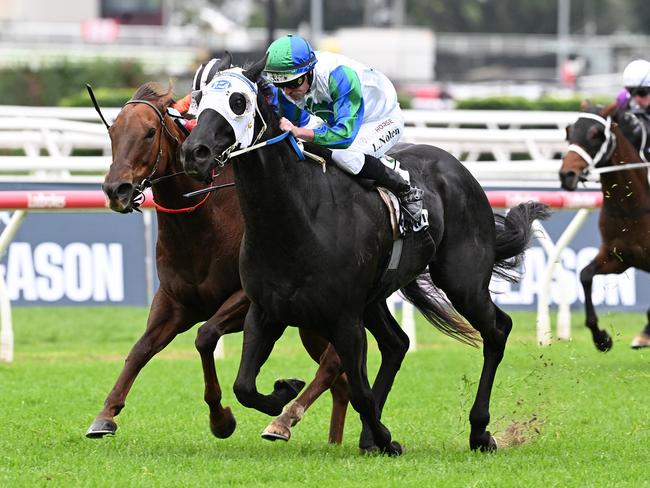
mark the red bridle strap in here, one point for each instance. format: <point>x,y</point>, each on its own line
<point>160,208</point>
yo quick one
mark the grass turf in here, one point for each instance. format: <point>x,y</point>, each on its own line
<point>578,416</point>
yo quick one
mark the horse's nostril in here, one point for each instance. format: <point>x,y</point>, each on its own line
<point>201,152</point>
<point>124,190</point>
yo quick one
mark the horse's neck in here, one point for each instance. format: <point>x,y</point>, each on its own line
<point>274,192</point>
<point>628,188</point>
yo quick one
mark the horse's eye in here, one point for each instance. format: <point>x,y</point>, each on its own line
<point>150,133</point>
<point>237,103</point>
<point>596,134</point>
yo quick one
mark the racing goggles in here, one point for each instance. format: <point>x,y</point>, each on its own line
<point>638,91</point>
<point>293,84</point>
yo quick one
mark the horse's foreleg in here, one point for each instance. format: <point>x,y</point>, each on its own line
<point>166,320</point>
<point>350,343</point>
<point>260,335</point>
<point>393,344</point>
<point>603,263</point>
<point>229,318</point>
<point>328,376</point>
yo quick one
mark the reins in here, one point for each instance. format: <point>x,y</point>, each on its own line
<point>297,146</point>
<point>620,167</point>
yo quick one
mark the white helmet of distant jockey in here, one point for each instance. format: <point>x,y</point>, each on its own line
<point>288,58</point>
<point>203,75</point>
<point>637,74</point>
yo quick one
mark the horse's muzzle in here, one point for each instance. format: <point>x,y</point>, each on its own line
<point>196,161</point>
<point>119,194</point>
<point>569,180</point>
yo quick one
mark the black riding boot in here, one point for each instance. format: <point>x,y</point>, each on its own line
<point>410,197</point>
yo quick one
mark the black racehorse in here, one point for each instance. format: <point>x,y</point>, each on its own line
<point>599,142</point>
<point>316,245</point>
<point>197,255</point>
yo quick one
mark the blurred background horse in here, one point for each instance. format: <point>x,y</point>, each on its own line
<point>598,144</point>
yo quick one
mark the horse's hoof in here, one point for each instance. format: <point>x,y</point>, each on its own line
<point>369,450</point>
<point>276,431</point>
<point>487,443</point>
<point>101,427</point>
<point>491,446</point>
<point>293,385</point>
<point>641,341</point>
<point>393,449</point>
<point>603,342</point>
<point>226,426</point>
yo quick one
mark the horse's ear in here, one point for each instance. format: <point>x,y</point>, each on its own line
<point>568,130</point>
<point>255,70</point>
<point>225,62</point>
<point>584,105</point>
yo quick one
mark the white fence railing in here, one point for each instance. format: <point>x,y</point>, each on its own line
<point>493,119</point>
<point>519,149</point>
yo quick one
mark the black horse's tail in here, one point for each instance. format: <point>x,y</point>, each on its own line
<point>435,307</point>
<point>514,232</point>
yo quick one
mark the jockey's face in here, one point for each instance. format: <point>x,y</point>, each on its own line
<point>299,92</point>
<point>644,101</point>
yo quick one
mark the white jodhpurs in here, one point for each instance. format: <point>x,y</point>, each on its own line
<point>374,138</point>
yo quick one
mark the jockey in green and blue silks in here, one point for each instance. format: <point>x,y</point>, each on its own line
<point>341,104</point>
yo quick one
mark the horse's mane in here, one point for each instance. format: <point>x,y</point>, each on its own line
<point>154,92</point>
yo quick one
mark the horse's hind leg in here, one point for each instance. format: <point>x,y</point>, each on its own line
<point>328,376</point>
<point>229,318</point>
<point>643,339</point>
<point>350,343</point>
<point>166,320</point>
<point>330,373</point>
<point>468,293</point>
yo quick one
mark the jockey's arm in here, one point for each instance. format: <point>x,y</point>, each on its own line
<point>347,107</point>
<point>183,104</point>
<point>304,133</point>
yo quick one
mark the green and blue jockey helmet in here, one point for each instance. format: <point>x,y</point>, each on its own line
<point>288,58</point>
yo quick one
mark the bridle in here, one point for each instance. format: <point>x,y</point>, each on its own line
<point>138,195</point>
<point>605,151</point>
<point>138,198</point>
<point>239,147</point>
